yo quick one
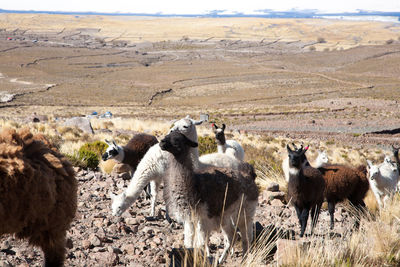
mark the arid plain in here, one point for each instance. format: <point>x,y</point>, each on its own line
<point>334,84</point>
<point>317,75</point>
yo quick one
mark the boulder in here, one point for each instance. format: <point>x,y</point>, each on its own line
<point>273,187</point>
<point>81,123</point>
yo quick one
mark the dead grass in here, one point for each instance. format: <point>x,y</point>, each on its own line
<point>377,242</point>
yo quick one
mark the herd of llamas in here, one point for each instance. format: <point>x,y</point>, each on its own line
<point>213,192</point>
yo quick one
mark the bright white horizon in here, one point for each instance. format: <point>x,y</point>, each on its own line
<point>200,7</point>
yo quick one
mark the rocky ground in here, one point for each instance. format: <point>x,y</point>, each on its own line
<point>96,238</point>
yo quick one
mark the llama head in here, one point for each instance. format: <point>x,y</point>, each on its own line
<point>119,204</point>
<point>395,151</point>
<point>219,133</point>
<point>297,157</point>
<point>322,157</point>
<point>177,143</point>
<point>113,151</point>
<point>389,163</point>
<point>373,170</point>
<point>186,126</point>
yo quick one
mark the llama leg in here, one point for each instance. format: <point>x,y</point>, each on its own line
<point>304,219</point>
<point>228,231</point>
<point>378,199</point>
<point>314,216</point>
<point>169,220</point>
<point>154,192</point>
<point>331,209</point>
<point>54,254</point>
<point>188,233</point>
<point>246,232</point>
<point>201,238</point>
<point>298,212</point>
<point>385,199</point>
<point>360,207</point>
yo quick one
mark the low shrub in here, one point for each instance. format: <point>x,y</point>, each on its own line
<point>207,145</point>
<point>89,159</point>
<point>88,156</point>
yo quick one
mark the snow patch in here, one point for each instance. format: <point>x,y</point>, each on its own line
<point>15,80</point>
<point>6,97</point>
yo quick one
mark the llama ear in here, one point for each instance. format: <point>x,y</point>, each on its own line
<point>187,117</point>
<point>197,122</point>
<point>115,144</point>
<point>223,127</point>
<point>294,146</point>
<point>107,142</point>
<point>369,164</point>
<point>288,148</point>
<point>214,126</point>
<point>112,196</point>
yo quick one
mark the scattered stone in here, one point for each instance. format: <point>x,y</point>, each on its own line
<point>126,176</point>
<point>5,245</point>
<point>128,248</point>
<point>95,240</point>
<point>69,243</point>
<point>86,244</point>
<point>5,263</point>
<point>157,240</point>
<point>148,230</point>
<point>132,221</point>
<point>273,187</point>
<point>277,203</point>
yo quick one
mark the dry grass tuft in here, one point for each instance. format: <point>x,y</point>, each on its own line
<point>107,166</point>
<point>376,243</point>
<point>267,174</point>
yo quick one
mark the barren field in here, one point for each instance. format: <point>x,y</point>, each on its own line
<point>273,75</point>
<point>329,82</point>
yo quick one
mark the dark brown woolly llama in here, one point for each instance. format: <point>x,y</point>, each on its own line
<point>305,188</point>
<point>343,182</point>
<point>38,193</point>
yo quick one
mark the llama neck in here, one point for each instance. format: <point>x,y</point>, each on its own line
<point>221,148</point>
<point>319,163</point>
<point>180,184</point>
<point>121,155</point>
<point>128,156</point>
<point>294,175</point>
<point>194,156</point>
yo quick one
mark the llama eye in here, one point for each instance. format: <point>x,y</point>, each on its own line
<point>185,127</point>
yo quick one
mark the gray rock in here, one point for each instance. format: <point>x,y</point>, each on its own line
<point>273,187</point>
<point>5,263</point>
<point>5,245</point>
<point>128,248</point>
<point>95,240</point>
<point>85,244</point>
<point>81,123</point>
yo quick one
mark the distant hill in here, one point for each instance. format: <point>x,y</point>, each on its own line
<point>266,13</point>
